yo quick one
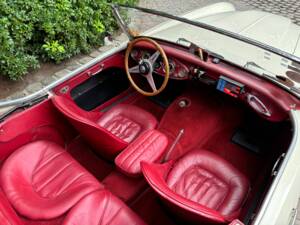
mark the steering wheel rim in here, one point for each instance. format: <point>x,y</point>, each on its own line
<point>148,76</point>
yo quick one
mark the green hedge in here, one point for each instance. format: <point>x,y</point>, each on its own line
<point>34,30</point>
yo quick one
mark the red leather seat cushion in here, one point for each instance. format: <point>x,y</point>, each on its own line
<point>101,208</point>
<point>200,187</point>
<point>42,181</point>
<point>108,133</point>
<point>127,121</point>
<point>209,180</point>
<point>149,147</point>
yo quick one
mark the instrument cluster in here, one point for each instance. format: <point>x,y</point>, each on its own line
<point>178,70</point>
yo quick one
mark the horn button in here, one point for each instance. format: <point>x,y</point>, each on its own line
<point>145,67</point>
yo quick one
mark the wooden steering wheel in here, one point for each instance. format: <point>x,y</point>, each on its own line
<point>146,67</point>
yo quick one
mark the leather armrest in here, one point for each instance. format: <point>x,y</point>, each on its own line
<point>149,147</point>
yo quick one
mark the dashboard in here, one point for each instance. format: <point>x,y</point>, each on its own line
<point>178,70</point>
<point>259,94</point>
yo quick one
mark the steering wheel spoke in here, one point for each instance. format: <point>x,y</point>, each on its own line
<point>134,69</point>
<point>154,57</point>
<point>151,82</point>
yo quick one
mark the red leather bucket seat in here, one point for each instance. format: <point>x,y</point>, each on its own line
<point>110,132</point>
<point>42,181</point>
<point>199,186</point>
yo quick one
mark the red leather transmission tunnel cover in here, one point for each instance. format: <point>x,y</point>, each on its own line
<point>148,147</point>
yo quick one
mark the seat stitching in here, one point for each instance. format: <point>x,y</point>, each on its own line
<point>71,182</point>
<point>205,192</point>
<point>136,157</point>
<point>186,187</point>
<point>40,159</point>
<point>115,126</point>
<point>199,185</point>
<point>134,148</point>
<point>182,175</point>
<point>39,167</point>
<point>142,152</point>
<point>221,202</point>
<point>131,127</point>
<point>142,143</point>
<point>112,124</point>
<point>54,176</point>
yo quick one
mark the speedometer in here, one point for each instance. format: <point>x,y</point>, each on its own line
<point>134,54</point>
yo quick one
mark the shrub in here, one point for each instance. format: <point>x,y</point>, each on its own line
<point>50,30</point>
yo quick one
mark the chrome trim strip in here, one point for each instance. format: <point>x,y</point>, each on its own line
<point>290,151</point>
<point>45,90</point>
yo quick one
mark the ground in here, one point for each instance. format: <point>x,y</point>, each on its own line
<point>50,72</point>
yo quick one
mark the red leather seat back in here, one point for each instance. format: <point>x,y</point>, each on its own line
<point>127,121</point>
<point>42,181</point>
<point>155,175</point>
<point>207,179</point>
<point>108,133</point>
<point>105,142</point>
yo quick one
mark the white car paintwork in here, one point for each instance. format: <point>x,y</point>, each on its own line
<point>267,28</point>
<point>280,204</point>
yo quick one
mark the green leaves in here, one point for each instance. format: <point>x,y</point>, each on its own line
<point>51,30</point>
<point>100,28</point>
<point>54,50</point>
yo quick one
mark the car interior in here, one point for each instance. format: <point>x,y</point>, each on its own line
<point>109,147</point>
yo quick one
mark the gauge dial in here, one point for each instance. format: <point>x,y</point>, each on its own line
<point>172,66</point>
<point>134,54</point>
<point>146,55</point>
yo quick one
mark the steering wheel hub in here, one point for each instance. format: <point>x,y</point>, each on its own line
<point>145,67</point>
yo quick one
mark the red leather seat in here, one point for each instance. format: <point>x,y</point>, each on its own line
<point>42,181</point>
<point>101,208</point>
<point>200,186</point>
<point>110,132</point>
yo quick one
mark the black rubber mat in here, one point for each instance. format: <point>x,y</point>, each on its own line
<point>248,141</point>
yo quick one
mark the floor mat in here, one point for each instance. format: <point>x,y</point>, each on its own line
<point>84,154</point>
<point>247,162</point>
<point>248,140</point>
<point>171,92</point>
<point>150,209</point>
<point>151,107</point>
<point>205,114</point>
<point>209,122</point>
